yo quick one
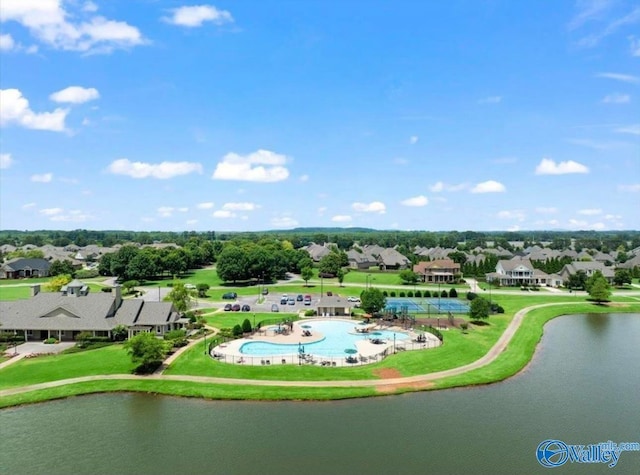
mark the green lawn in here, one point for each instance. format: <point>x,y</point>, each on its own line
<point>108,360</point>
<point>14,293</point>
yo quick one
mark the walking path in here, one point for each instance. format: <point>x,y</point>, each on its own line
<point>491,356</point>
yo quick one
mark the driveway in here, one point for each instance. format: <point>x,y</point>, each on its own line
<point>39,348</point>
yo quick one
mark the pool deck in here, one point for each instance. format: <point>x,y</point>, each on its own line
<point>367,351</point>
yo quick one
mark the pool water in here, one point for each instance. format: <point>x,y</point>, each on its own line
<point>338,337</point>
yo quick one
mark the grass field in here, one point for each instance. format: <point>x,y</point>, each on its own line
<point>8,292</point>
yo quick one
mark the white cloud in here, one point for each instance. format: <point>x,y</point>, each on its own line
<point>75,95</point>
<point>511,214</point>
<point>420,200</point>
<point>413,139</point>
<point>584,225</point>
<point>5,160</point>
<point>490,100</point>
<point>165,211</point>
<point>610,28</point>
<point>620,77</point>
<point>546,210</point>
<point>73,216</point>
<point>630,129</point>
<point>161,171</point>
<point>28,205</point>
<point>223,213</point>
<point>205,205</point>
<point>441,186</point>
<point>341,218</point>
<point>89,7</point>
<point>6,42</point>
<point>373,207</point>
<point>51,211</point>
<point>42,178</point>
<point>590,211</point>
<point>489,186</point>
<point>284,222</point>
<point>616,98</point>
<point>635,188</point>
<point>261,166</point>
<point>195,16</point>
<point>588,11</point>
<point>77,30</point>
<point>550,167</point>
<point>191,222</point>
<point>304,178</point>
<point>240,206</point>
<point>14,108</point>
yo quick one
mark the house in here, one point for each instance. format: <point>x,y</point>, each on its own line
<point>21,267</point>
<point>63,315</point>
<point>588,267</point>
<point>333,306</point>
<point>317,251</point>
<point>440,270</point>
<point>360,260</point>
<point>390,259</point>
<point>516,271</point>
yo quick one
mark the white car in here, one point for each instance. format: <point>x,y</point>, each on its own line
<point>189,286</point>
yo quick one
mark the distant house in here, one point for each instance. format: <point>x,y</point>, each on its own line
<point>390,259</point>
<point>517,271</point>
<point>588,267</point>
<point>440,270</point>
<point>65,314</point>
<point>21,267</point>
<point>360,260</point>
<point>333,306</point>
<point>317,251</point>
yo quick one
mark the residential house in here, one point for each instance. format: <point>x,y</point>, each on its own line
<point>63,315</point>
<point>22,267</point>
<point>588,267</point>
<point>390,259</point>
<point>317,251</point>
<point>517,271</point>
<point>438,271</point>
<point>360,260</point>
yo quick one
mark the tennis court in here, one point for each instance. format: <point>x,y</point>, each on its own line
<point>428,305</point>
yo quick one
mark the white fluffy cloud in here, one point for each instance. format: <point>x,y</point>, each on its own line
<point>162,171</point>
<point>195,16</point>
<point>240,206</point>
<point>42,178</point>
<point>223,213</point>
<point>373,207</point>
<point>5,160</point>
<point>550,167</point>
<point>341,218</point>
<point>75,95</point>
<point>512,214</point>
<point>283,222</point>
<point>165,211</point>
<point>205,205</point>
<point>14,109</point>
<point>441,186</point>
<point>616,98</point>
<point>76,29</point>
<point>420,200</point>
<point>51,211</point>
<point>260,166</point>
<point>6,42</point>
<point>489,186</point>
<point>590,211</point>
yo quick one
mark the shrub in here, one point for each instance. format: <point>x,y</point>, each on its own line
<point>309,313</point>
<point>11,338</point>
<point>401,294</point>
<point>410,294</point>
<point>434,331</point>
<point>106,289</point>
<point>495,308</point>
<point>226,332</point>
<point>385,293</point>
<point>393,293</point>
<point>464,327</point>
<point>426,294</point>
<point>471,295</point>
<point>444,294</point>
<point>237,330</point>
<point>83,339</point>
<point>50,341</point>
<point>246,326</point>
<point>418,294</point>
<point>453,293</point>
<point>175,334</point>
<point>86,273</point>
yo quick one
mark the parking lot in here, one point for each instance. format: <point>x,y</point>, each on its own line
<point>271,299</point>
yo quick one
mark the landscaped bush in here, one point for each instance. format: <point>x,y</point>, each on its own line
<point>106,289</point>
<point>426,294</point>
<point>495,308</point>
<point>237,330</point>
<point>471,295</point>
<point>444,294</point>
<point>226,332</point>
<point>453,293</point>
<point>385,293</point>
<point>86,273</point>
<point>393,293</point>
<point>401,294</point>
<point>50,341</point>
<point>309,313</point>
<point>410,294</point>
<point>418,294</point>
<point>175,334</point>
<point>246,326</point>
<point>11,338</point>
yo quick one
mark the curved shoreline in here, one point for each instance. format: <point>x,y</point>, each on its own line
<point>386,386</point>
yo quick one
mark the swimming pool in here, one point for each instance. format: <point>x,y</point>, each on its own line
<point>339,336</point>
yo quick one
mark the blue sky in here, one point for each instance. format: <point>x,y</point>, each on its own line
<point>255,115</point>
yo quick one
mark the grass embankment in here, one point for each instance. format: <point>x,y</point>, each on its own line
<point>21,292</point>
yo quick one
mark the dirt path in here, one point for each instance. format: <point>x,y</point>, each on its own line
<point>420,380</point>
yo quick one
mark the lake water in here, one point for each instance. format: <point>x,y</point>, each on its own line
<point>582,387</point>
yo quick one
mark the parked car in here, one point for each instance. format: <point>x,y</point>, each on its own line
<point>299,298</point>
<point>227,308</point>
<point>283,300</point>
<point>329,294</point>
<point>236,307</point>
<point>246,308</point>
<point>230,296</point>
<point>265,291</point>
<point>291,301</point>
<point>189,286</point>
<point>274,308</point>
<point>307,299</point>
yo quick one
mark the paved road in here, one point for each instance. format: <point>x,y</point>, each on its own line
<point>493,353</point>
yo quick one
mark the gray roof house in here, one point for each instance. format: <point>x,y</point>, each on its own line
<point>517,271</point>
<point>317,251</point>
<point>391,259</point>
<point>360,260</point>
<point>64,314</point>
<point>330,306</point>
<point>23,267</point>
<point>588,267</point>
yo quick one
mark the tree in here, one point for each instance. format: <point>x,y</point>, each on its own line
<point>202,289</point>
<point>372,300</point>
<point>146,350</point>
<point>577,280</point>
<point>598,287</point>
<point>622,276</point>
<point>246,326</point>
<point>59,267</point>
<point>180,296</point>
<point>129,285</point>
<point>55,284</point>
<point>306,274</point>
<point>340,276</point>
<point>232,264</point>
<point>479,309</point>
<point>119,332</point>
<point>408,276</point>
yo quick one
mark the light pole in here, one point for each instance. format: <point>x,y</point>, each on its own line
<point>205,341</point>
<point>321,286</point>
<point>394,343</point>
<point>254,323</point>
<point>438,298</point>
<point>367,284</point>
